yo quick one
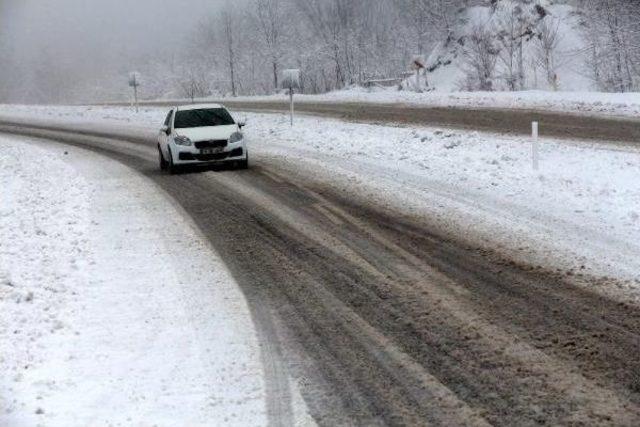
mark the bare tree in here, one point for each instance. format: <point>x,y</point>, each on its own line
<point>193,83</point>
<point>509,39</point>
<point>547,42</point>
<point>417,15</point>
<point>241,48</point>
<point>613,32</point>
<point>229,22</point>
<point>330,21</point>
<point>481,56</point>
<point>269,18</point>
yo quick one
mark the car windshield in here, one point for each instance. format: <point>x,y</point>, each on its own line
<point>203,118</point>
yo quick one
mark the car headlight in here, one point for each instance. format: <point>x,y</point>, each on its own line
<point>182,140</point>
<point>235,137</point>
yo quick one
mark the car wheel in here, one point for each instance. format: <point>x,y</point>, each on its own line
<point>244,164</point>
<point>172,168</point>
<point>163,162</point>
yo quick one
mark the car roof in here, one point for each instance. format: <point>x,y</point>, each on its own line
<point>198,107</point>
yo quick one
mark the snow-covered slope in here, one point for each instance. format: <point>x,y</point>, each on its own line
<point>451,62</point>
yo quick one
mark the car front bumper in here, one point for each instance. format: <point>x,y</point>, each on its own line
<point>235,154</point>
<point>190,155</point>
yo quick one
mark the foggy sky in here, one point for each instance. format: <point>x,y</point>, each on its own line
<point>84,40</point>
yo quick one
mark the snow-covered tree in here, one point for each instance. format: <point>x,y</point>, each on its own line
<point>481,57</point>
<point>613,31</point>
<point>547,41</point>
<point>242,48</point>
<point>270,21</point>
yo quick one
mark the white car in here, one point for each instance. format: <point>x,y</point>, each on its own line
<point>201,135</point>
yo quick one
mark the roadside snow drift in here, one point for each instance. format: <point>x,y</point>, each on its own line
<point>113,310</point>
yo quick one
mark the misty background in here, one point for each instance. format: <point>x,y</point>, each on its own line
<point>60,50</point>
<point>73,51</point>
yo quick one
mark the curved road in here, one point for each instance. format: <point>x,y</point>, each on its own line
<point>382,319</point>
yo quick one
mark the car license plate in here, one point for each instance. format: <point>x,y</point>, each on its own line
<point>211,150</point>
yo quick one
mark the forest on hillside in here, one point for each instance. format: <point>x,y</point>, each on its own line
<point>488,45</point>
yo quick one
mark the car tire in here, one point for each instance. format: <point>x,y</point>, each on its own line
<point>244,164</point>
<point>172,168</point>
<point>163,163</point>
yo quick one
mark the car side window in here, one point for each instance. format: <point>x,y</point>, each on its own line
<point>167,121</point>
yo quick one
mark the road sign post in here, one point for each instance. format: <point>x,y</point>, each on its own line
<point>291,104</point>
<point>291,81</point>
<point>134,82</point>
<point>418,64</point>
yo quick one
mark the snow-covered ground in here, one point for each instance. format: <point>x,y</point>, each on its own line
<point>581,103</point>
<point>580,211</point>
<point>102,322</point>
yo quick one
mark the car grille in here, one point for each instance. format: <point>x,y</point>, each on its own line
<point>211,157</point>
<point>216,143</point>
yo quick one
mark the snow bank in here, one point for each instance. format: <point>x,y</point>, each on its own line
<point>578,102</point>
<point>102,319</point>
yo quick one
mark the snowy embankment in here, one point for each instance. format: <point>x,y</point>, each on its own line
<point>113,310</point>
<point>580,212</point>
<point>581,103</point>
<point>626,105</point>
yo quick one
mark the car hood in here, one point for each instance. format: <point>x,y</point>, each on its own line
<point>207,133</point>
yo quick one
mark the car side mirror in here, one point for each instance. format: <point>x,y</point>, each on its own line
<point>242,123</point>
<point>166,130</point>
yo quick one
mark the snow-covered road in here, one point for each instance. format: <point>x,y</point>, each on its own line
<point>414,273</point>
<point>580,211</point>
<point>113,309</point>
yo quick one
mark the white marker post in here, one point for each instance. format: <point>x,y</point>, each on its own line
<point>291,103</point>
<point>535,154</point>
<point>134,82</point>
<point>291,81</point>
